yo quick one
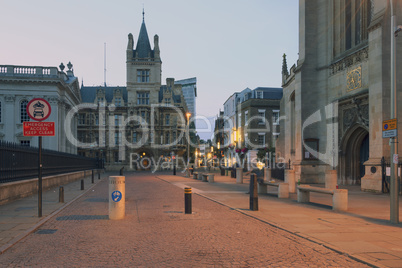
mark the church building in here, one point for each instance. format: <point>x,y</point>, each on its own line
<point>337,95</point>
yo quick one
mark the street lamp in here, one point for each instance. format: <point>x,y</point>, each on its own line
<point>188,114</point>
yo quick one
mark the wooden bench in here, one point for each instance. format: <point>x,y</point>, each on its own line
<point>283,188</point>
<point>195,175</point>
<point>208,177</point>
<point>339,196</point>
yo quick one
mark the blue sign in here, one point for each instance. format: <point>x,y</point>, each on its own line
<point>116,196</point>
<point>386,126</point>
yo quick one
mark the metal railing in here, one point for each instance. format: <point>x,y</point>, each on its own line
<point>21,162</point>
<point>386,177</point>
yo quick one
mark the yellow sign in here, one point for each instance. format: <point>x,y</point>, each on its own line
<point>389,124</point>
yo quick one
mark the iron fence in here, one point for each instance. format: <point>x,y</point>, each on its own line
<point>386,177</point>
<point>21,162</point>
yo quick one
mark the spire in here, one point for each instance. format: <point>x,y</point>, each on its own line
<point>284,66</point>
<point>143,13</point>
<point>143,49</point>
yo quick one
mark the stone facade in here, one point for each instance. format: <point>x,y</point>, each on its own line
<point>338,94</point>
<point>138,126</point>
<point>19,85</point>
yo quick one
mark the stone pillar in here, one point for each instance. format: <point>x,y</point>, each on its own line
<point>331,179</point>
<point>267,174</point>
<point>290,178</point>
<point>340,200</point>
<point>239,175</point>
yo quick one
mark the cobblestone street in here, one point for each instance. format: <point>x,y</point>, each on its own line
<point>156,233</point>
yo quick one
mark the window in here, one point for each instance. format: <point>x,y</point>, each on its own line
<point>167,101</point>
<point>0,111</point>
<point>144,119</point>
<point>167,139</point>
<point>134,137</point>
<point>357,19</point>
<point>261,139</point>
<point>167,119</point>
<point>97,119</point>
<point>117,120</point>
<point>142,76</point>
<point>275,117</point>
<point>259,95</point>
<point>261,117</point>
<point>25,143</point>
<point>116,157</point>
<point>246,118</point>
<point>101,101</point>
<point>117,138</point>
<point>117,102</point>
<point>143,98</point>
<point>23,109</point>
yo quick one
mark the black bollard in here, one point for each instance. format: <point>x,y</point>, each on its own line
<point>253,192</point>
<point>121,171</point>
<point>98,174</point>
<point>174,170</point>
<point>61,194</point>
<point>82,184</point>
<point>187,201</point>
<point>92,176</point>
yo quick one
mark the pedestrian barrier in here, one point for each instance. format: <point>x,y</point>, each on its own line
<point>283,188</point>
<point>117,197</point>
<point>339,196</point>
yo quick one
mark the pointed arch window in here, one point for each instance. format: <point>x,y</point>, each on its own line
<point>357,19</point>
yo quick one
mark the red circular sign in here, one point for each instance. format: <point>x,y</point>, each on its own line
<point>38,109</point>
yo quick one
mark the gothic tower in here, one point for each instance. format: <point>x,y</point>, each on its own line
<point>144,69</point>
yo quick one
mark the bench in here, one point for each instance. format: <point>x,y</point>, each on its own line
<point>339,196</point>
<point>208,177</point>
<point>283,188</point>
<point>195,175</point>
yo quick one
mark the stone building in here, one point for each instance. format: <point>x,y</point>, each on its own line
<point>20,84</point>
<point>251,120</point>
<point>189,88</point>
<point>138,126</point>
<point>338,94</point>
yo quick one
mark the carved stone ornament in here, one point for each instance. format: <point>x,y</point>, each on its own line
<point>9,98</point>
<point>344,63</point>
<point>354,79</point>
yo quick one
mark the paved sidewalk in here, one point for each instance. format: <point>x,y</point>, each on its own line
<point>156,233</point>
<point>19,218</point>
<point>363,232</point>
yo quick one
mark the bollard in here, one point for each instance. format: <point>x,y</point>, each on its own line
<point>61,194</point>
<point>117,197</point>
<point>82,184</point>
<point>174,170</point>
<point>121,171</point>
<point>187,201</point>
<point>99,175</point>
<point>92,179</point>
<point>239,175</point>
<point>253,192</point>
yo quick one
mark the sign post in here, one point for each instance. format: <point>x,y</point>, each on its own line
<point>39,109</point>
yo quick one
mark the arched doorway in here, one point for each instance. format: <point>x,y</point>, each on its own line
<point>354,152</point>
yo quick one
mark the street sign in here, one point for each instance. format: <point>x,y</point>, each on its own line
<point>38,109</point>
<point>389,128</point>
<point>39,129</point>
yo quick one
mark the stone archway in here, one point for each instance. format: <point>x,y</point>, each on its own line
<point>354,152</point>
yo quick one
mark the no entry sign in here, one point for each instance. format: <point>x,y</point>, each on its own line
<point>38,109</point>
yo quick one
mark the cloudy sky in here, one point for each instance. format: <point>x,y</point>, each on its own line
<point>227,44</point>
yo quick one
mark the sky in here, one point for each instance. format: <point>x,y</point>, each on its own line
<point>228,45</point>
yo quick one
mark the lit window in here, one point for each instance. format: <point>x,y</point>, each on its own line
<point>142,76</point>
<point>143,98</point>
<point>23,110</point>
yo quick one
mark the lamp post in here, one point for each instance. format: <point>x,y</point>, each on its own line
<point>394,198</point>
<point>188,143</point>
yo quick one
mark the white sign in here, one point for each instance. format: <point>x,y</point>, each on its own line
<point>396,159</point>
